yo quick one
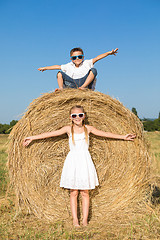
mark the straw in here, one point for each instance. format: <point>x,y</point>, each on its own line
<point>122,166</point>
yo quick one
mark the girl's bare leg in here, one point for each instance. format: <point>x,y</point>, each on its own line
<point>85,206</point>
<point>73,203</point>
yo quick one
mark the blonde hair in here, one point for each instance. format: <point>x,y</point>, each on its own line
<point>85,129</point>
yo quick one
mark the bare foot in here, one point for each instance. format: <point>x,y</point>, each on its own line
<point>82,88</point>
<point>75,223</point>
<point>58,89</point>
<point>85,223</point>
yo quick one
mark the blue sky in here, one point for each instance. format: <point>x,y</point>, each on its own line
<point>41,33</point>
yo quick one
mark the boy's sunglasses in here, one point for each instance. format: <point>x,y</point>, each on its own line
<point>78,56</point>
<point>80,115</point>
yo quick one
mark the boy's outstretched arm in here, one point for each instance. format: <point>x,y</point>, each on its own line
<point>103,55</point>
<point>54,67</point>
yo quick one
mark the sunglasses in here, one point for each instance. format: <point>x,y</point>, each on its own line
<point>78,56</point>
<point>74,115</point>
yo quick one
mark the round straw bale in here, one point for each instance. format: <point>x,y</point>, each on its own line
<point>122,166</point>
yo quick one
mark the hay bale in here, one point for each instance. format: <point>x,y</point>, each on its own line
<point>122,167</point>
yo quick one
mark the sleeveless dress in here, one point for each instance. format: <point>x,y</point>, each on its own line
<point>79,171</point>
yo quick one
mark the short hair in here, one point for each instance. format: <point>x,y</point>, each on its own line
<point>76,50</point>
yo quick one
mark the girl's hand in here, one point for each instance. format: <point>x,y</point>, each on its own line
<point>113,52</point>
<point>129,137</point>
<point>27,141</point>
<point>41,69</point>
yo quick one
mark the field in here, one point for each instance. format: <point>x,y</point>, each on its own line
<point>25,226</point>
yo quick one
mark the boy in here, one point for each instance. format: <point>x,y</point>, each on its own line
<point>79,73</point>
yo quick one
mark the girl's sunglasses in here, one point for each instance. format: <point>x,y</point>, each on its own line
<point>78,56</point>
<point>80,115</point>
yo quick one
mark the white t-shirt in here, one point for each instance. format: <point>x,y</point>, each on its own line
<point>77,72</point>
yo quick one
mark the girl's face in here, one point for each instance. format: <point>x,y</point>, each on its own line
<point>77,116</point>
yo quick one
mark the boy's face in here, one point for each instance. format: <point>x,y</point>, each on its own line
<point>77,61</point>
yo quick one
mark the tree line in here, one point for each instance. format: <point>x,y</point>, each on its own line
<point>149,125</point>
<point>6,128</point>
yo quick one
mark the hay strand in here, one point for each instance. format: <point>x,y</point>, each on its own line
<point>122,167</point>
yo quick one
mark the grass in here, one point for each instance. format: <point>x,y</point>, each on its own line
<point>28,227</point>
<point>3,159</point>
<point>154,142</point>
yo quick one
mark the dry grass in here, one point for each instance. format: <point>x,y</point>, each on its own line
<point>3,168</point>
<point>144,227</point>
<point>154,142</point>
<point>122,167</point>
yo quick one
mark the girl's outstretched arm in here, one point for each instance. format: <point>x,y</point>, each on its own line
<point>103,55</point>
<point>59,132</point>
<point>127,137</point>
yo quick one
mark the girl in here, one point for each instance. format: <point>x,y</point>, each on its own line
<point>78,171</point>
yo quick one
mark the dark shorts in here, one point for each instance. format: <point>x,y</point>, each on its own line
<point>69,82</point>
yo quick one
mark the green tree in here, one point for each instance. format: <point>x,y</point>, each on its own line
<point>151,125</point>
<point>13,122</point>
<point>156,125</point>
<point>6,128</point>
<point>134,111</point>
<point>148,125</point>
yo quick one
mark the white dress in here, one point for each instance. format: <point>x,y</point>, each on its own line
<point>79,171</point>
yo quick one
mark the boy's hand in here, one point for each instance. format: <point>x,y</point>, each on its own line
<point>129,137</point>
<point>113,52</point>
<point>103,55</point>
<point>41,69</point>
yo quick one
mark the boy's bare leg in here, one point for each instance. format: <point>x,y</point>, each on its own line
<point>85,206</point>
<point>89,79</point>
<point>73,203</point>
<point>60,82</point>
